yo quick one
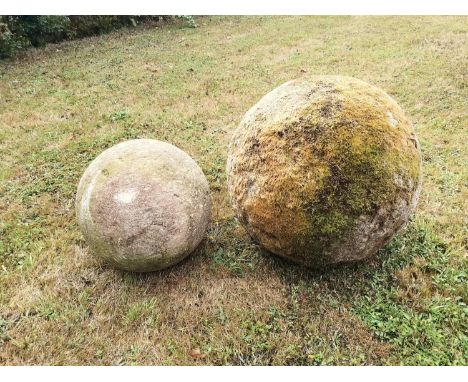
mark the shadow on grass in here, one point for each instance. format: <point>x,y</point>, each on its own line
<point>240,257</point>
<point>411,295</point>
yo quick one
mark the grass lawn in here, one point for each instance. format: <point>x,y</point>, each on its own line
<point>231,303</point>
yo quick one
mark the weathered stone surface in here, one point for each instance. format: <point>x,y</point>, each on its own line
<point>324,171</point>
<point>143,205</point>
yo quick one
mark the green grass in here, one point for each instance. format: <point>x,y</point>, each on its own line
<point>417,301</point>
<point>62,105</point>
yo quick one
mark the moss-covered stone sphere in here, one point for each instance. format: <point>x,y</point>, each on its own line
<point>324,170</point>
<point>143,205</point>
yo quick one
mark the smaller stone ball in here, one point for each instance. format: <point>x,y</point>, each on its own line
<point>143,205</point>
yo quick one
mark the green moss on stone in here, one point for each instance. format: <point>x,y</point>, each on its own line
<point>323,168</point>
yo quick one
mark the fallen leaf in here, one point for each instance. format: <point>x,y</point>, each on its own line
<point>196,353</point>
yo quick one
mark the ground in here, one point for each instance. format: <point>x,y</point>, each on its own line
<point>231,302</point>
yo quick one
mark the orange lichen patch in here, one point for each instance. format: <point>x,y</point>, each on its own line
<point>315,162</point>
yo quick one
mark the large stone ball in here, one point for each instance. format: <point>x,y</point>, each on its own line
<point>143,205</point>
<point>324,170</point>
